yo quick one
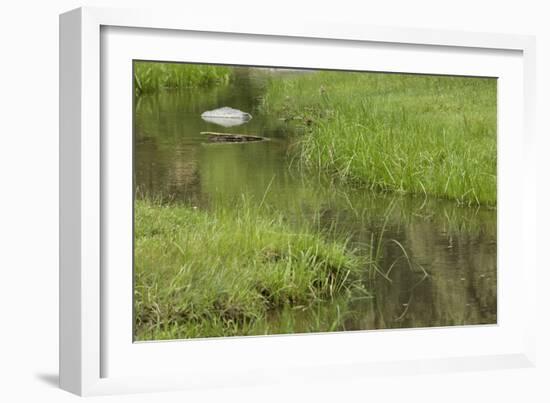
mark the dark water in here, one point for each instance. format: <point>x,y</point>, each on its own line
<point>449,277</point>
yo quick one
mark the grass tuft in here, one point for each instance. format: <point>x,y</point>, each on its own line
<point>151,77</point>
<point>395,132</point>
<point>219,273</point>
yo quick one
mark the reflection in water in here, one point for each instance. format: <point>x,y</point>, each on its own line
<point>437,260</point>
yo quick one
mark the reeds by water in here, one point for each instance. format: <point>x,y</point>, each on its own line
<point>218,273</point>
<point>395,132</point>
<point>150,77</point>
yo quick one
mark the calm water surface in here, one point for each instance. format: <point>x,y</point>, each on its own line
<point>455,246</point>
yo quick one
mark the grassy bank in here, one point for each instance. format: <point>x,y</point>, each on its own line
<point>150,77</point>
<point>395,132</point>
<point>221,273</point>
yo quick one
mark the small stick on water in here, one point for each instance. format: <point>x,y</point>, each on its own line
<point>250,136</point>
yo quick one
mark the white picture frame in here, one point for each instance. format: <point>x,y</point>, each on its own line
<point>94,346</point>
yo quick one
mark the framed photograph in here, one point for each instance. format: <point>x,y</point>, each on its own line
<point>243,203</point>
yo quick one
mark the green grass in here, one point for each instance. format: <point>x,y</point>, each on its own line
<point>222,272</point>
<point>395,132</point>
<point>151,77</point>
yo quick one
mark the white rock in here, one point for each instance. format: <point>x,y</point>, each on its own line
<point>226,116</point>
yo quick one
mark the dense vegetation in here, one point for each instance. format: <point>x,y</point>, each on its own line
<point>150,77</point>
<point>219,273</point>
<point>396,132</point>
